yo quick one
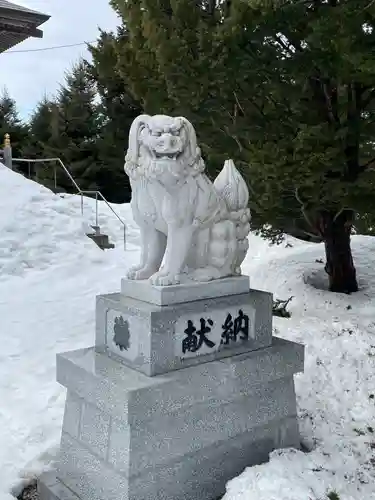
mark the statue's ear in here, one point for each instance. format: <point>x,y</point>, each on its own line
<point>191,136</point>
<point>133,145</point>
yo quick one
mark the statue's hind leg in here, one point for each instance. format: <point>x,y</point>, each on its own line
<point>205,274</point>
<point>220,253</point>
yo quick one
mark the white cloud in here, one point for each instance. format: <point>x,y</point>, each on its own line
<point>28,76</point>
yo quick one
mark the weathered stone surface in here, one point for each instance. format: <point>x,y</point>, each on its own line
<point>95,429</point>
<point>133,397</point>
<point>136,446</point>
<point>155,339</point>
<point>196,427</point>
<point>72,414</point>
<point>200,475</point>
<point>204,474</point>
<point>189,226</point>
<point>51,488</point>
<point>88,476</point>
<point>184,292</point>
<point>183,434</point>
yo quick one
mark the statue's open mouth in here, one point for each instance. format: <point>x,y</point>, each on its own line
<point>166,156</point>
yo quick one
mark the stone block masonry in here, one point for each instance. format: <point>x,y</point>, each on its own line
<point>156,339</point>
<point>183,434</point>
<point>184,292</point>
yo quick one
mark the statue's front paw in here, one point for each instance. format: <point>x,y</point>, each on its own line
<point>137,273</point>
<point>163,278</point>
<point>131,274</point>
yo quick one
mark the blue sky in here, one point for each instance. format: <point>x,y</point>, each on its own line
<point>30,75</point>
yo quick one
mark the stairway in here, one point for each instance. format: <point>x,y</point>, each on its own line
<point>102,240</point>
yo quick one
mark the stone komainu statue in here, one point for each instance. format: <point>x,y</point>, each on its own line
<point>191,228</point>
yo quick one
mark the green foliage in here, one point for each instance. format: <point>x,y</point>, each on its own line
<point>286,89</point>
<point>40,124</point>
<point>365,224</point>
<point>75,128</point>
<point>333,495</point>
<point>10,123</point>
<point>86,125</point>
<point>68,128</point>
<point>40,134</point>
<point>118,109</point>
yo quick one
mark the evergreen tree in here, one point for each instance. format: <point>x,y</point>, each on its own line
<point>286,89</point>
<point>118,108</point>
<point>40,123</point>
<point>73,132</point>
<point>10,123</point>
<point>40,134</point>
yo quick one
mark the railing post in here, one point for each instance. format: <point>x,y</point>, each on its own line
<point>8,161</point>
<point>98,194</point>
<point>55,177</point>
<point>96,210</point>
<point>29,168</point>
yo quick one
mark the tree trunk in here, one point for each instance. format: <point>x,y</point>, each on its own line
<point>335,230</point>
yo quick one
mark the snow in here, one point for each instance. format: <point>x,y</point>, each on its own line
<point>50,273</point>
<point>335,395</point>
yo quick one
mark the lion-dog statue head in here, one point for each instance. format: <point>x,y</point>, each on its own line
<point>162,147</point>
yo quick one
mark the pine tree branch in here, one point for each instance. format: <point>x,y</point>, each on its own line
<point>313,236</point>
<point>368,99</point>
<point>269,78</point>
<point>238,103</point>
<point>354,103</point>
<point>340,212</point>
<point>303,209</point>
<point>326,101</point>
<point>324,91</point>
<point>253,103</point>
<point>211,7</point>
<point>366,166</point>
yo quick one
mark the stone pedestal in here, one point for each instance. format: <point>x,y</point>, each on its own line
<point>174,400</point>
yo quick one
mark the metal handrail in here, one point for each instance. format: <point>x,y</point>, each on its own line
<point>81,192</point>
<point>99,194</point>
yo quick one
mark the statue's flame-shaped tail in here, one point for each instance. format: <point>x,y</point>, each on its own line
<point>233,189</point>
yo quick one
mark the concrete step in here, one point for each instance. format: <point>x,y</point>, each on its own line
<point>102,240</point>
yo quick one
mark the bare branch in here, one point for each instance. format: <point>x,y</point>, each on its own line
<point>303,210</point>
<point>338,214</point>
<point>313,236</point>
<point>238,103</point>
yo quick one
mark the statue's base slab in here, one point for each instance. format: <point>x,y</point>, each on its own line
<point>157,339</point>
<point>183,434</point>
<point>188,291</point>
<point>198,476</point>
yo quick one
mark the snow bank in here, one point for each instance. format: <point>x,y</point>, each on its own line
<point>39,228</point>
<point>48,285</point>
<point>50,273</point>
<point>336,394</point>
